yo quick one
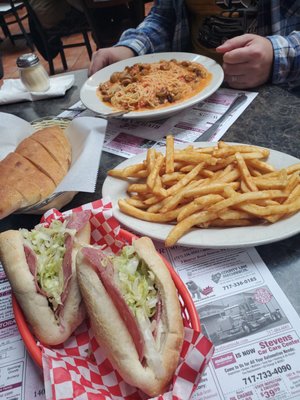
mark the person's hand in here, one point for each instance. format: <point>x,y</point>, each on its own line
<point>247,61</point>
<point>103,57</point>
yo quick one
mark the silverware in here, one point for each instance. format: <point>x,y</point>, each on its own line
<point>77,109</point>
<point>209,133</point>
<point>114,114</point>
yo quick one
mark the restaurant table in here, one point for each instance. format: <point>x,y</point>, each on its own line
<point>271,120</point>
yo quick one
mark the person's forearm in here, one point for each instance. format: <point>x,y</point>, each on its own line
<point>154,34</point>
<point>286,66</point>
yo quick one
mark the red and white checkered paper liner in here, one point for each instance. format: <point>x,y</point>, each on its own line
<point>80,370</point>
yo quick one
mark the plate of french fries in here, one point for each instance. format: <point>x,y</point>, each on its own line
<point>210,195</point>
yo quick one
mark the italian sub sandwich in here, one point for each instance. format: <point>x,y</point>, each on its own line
<point>134,312</point>
<point>41,267</point>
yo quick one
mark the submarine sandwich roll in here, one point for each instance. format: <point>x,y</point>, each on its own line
<point>134,312</point>
<point>40,266</point>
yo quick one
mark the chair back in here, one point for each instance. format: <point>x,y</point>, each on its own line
<point>49,42</point>
<point>10,9</point>
<point>109,18</point>
<point>39,35</point>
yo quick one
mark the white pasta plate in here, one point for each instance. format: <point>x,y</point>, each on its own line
<point>90,99</point>
<point>235,237</point>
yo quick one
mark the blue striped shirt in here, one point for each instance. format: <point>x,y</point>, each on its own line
<point>166,28</point>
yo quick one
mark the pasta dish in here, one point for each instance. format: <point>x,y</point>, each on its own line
<point>145,86</point>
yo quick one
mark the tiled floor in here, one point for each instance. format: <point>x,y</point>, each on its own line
<point>77,57</point>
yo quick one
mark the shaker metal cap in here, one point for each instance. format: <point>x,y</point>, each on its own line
<point>27,60</point>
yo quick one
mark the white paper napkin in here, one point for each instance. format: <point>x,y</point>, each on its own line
<point>13,90</point>
<point>86,135</point>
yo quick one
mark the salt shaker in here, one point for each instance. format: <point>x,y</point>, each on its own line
<point>32,73</point>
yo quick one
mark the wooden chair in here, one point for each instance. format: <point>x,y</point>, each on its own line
<point>109,18</point>
<point>9,15</point>
<point>50,42</point>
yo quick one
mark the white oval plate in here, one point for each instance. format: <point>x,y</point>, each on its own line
<point>90,99</point>
<point>207,238</point>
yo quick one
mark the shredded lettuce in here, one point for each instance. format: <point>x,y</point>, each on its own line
<point>137,285</point>
<point>136,282</point>
<point>48,245</point>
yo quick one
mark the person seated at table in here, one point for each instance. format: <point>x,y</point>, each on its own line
<point>51,12</point>
<point>255,41</point>
<point>56,17</point>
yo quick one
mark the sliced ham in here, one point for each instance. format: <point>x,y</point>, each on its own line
<point>32,264</point>
<point>75,221</point>
<point>105,270</point>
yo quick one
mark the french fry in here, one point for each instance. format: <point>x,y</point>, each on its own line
<point>293,168</point>
<point>265,184</point>
<point>175,199</point>
<point>140,174</point>
<point>187,179</point>
<point>169,154</point>
<point>234,215</point>
<point>244,187</point>
<point>245,172</point>
<point>153,200</point>
<point>253,171</point>
<point>173,176</point>
<point>244,197</point>
<point>145,215</point>
<point>154,171</point>
<point>158,205</point>
<point>150,159</point>
<point>198,204</point>
<point>253,156</point>
<point>261,166</point>
<point>194,157</point>
<point>185,225</point>
<point>229,150</point>
<point>137,203</point>
<point>209,188</point>
<point>137,188</point>
<point>261,211</point>
<point>293,182</point>
<point>187,168</point>
<point>206,173</point>
<point>129,171</point>
<point>158,189</point>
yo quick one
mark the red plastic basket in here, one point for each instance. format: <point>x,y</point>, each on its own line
<point>188,309</point>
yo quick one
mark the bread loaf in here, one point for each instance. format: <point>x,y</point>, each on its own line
<point>33,171</point>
